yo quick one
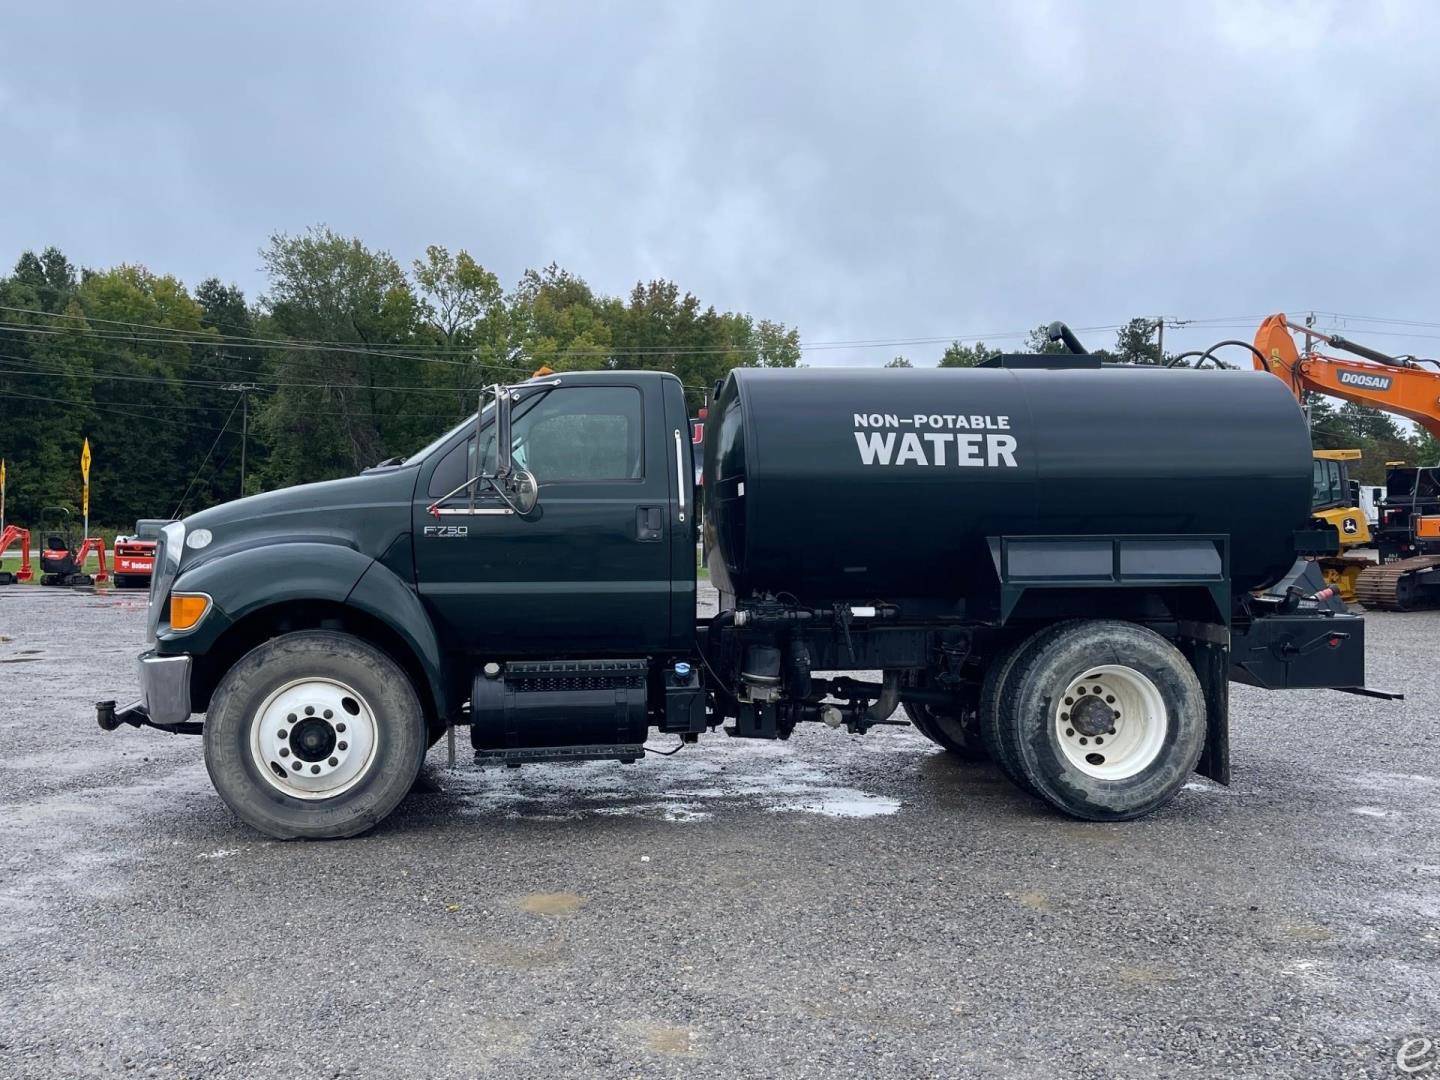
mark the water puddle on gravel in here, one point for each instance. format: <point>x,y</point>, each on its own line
<point>767,778</point>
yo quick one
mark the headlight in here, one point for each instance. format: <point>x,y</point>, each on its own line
<point>174,534</point>
<point>167,566</point>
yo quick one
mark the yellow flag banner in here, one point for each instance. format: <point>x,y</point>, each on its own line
<point>85,461</point>
<point>2,474</point>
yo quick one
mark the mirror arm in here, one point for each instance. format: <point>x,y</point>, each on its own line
<point>494,482</point>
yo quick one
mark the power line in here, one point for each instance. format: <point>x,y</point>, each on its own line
<point>416,348</point>
<point>198,471</point>
<point>106,407</point>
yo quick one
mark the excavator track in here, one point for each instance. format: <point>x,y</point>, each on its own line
<point>1397,586</point>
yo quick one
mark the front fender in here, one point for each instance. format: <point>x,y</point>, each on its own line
<point>256,577</point>
<point>382,593</point>
<point>272,575</point>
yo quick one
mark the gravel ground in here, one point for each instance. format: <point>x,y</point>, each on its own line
<point>830,906</point>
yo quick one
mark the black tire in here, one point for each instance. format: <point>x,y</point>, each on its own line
<point>1056,660</point>
<point>399,745</point>
<point>124,581</point>
<point>995,733</point>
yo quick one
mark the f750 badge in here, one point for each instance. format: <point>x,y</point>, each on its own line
<point>445,532</point>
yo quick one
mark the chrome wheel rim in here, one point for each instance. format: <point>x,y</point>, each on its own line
<point>314,738</point>
<point>1111,722</point>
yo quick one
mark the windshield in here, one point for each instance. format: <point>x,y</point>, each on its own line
<point>432,446</point>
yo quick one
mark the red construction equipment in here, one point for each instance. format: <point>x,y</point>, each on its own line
<point>135,554</point>
<point>11,535</point>
<point>61,561</point>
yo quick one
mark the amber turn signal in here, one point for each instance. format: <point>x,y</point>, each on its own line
<point>187,609</point>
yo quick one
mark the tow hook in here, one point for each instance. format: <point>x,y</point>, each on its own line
<point>109,719</point>
<point>137,715</point>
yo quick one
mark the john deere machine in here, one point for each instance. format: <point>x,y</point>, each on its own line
<point>1335,501</point>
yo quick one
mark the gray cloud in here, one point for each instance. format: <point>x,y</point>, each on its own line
<point>858,170</point>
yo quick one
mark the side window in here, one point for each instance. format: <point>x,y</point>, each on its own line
<point>1320,487</point>
<point>454,469</point>
<point>581,433</point>
<point>569,434</point>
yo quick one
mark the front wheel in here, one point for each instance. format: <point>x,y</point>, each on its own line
<point>1106,719</point>
<point>314,734</point>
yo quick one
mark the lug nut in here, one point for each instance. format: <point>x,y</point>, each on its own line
<point>333,762</point>
<point>291,718</point>
<point>284,751</point>
<point>327,714</point>
<point>340,727</point>
<point>343,745</point>
<point>314,768</point>
<point>282,733</point>
<point>309,710</point>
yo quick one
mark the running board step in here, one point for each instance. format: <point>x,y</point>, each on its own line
<point>532,755</point>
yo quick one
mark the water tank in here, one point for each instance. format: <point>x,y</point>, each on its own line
<point>842,484</point>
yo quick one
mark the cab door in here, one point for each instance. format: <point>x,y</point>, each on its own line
<point>587,573</point>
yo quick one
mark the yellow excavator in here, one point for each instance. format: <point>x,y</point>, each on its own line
<point>1333,501</point>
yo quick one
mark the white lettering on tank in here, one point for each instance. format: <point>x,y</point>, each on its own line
<point>1001,448</point>
<point>875,446</point>
<point>910,450</point>
<point>938,440</point>
<point>969,450</point>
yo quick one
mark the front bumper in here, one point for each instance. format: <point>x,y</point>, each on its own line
<point>164,696</point>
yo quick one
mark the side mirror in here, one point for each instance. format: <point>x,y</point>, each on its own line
<point>503,462</point>
<point>503,449</point>
<point>524,491</point>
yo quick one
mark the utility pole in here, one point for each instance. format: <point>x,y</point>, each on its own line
<point>243,389</point>
<point>1160,338</point>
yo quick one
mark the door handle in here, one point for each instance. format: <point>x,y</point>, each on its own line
<point>649,523</point>
<point>680,473</point>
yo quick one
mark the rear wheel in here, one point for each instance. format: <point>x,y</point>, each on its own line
<point>1106,719</point>
<point>957,730</point>
<point>314,734</point>
<point>996,703</point>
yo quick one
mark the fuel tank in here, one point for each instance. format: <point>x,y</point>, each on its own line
<point>843,484</point>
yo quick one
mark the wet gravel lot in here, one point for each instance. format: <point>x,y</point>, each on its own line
<point>830,906</point>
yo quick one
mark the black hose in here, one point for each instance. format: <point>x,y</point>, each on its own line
<point>1208,354</point>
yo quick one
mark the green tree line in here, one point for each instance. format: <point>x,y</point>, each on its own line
<point>347,359</point>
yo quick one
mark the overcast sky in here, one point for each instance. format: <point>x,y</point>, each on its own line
<point>860,171</point>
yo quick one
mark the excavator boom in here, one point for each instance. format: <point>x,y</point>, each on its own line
<point>1402,387</point>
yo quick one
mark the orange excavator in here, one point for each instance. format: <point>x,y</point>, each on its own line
<point>1409,572</point>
